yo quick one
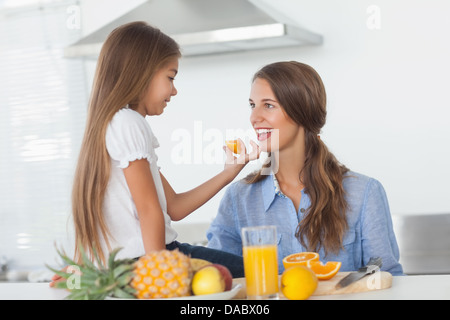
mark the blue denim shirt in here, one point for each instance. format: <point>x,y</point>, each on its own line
<point>370,232</point>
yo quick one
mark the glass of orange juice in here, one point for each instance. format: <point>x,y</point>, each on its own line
<point>259,248</point>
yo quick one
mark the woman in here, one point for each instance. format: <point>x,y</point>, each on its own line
<point>316,203</point>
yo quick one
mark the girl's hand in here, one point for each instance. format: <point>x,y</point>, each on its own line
<point>57,278</point>
<point>234,163</point>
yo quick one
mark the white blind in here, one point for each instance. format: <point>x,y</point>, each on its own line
<point>43,102</point>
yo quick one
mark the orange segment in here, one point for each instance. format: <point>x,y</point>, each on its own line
<point>299,259</point>
<point>233,145</point>
<point>324,271</point>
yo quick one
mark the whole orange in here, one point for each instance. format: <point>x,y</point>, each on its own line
<point>298,283</point>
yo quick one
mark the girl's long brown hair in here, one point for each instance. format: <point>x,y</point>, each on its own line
<point>129,57</point>
<point>301,93</point>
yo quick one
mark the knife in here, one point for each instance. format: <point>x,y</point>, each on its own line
<point>372,266</point>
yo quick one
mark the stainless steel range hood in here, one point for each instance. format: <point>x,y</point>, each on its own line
<point>207,27</point>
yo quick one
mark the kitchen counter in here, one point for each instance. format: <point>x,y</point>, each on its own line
<point>423,287</point>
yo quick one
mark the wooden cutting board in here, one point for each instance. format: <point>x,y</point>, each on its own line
<point>377,281</point>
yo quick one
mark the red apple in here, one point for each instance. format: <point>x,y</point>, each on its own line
<point>226,274</point>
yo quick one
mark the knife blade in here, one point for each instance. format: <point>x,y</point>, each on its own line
<point>372,266</point>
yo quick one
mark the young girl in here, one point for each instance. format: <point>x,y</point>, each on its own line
<point>120,198</point>
<point>316,203</point>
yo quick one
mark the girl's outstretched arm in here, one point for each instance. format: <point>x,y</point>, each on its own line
<point>179,205</point>
<point>143,190</point>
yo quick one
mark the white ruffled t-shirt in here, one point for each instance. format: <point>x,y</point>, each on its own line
<point>129,138</point>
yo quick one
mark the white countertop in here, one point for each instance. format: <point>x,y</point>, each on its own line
<point>424,287</point>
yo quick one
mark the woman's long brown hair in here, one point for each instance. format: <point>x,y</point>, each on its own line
<point>129,57</point>
<point>301,93</point>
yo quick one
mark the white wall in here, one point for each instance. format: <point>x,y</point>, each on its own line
<point>389,114</point>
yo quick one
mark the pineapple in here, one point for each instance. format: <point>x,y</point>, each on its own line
<point>161,274</point>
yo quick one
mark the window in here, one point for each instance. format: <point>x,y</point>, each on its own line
<point>43,103</point>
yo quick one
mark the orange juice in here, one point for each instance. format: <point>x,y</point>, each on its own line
<point>261,270</point>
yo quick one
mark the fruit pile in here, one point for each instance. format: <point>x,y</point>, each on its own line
<point>161,274</point>
<point>302,272</point>
<point>209,278</point>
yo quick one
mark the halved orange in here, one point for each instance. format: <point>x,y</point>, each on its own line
<point>299,259</point>
<point>233,145</point>
<point>324,271</point>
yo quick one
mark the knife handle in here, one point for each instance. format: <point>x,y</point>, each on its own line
<point>375,261</point>
<point>374,264</point>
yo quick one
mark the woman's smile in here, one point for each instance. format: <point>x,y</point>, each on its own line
<point>263,133</point>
